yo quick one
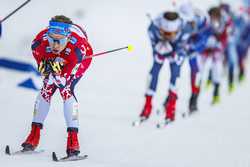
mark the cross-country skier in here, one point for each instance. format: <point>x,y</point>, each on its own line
<point>59,51</point>
<point>215,48</point>
<point>199,33</point>
<point>244,41</point>
<point>231,43</point>
<point>167,39</point>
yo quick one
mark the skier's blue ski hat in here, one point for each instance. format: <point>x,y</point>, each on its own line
<point>59,28</point>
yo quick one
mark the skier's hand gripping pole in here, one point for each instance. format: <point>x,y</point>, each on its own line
<point>129,48</point>
<point>14,11</point>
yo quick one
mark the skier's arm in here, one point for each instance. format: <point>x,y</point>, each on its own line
<point>37,48</point>
<point>77,62</point>
<point>71,67</point>
<point>153,34</point>
<point>36,51</point>
<point>197,43</point>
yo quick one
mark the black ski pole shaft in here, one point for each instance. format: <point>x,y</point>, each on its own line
<point>14,11</point>
<point>129,48</point>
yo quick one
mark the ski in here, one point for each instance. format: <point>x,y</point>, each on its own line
<point>139,121</point>
<point>163,124</point>
<point>68,158</point>
<point>184,114</point>
<point>190,113</point>
<point>21,152</point>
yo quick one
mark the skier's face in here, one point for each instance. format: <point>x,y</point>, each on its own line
<point>168,35</point>
<point>57,42</point>
<point>216,22</point>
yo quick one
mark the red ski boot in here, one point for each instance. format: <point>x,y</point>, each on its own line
<point>73,147</point>
<point>32,140</point>
<point>147,107</point>
<point>170,106</point>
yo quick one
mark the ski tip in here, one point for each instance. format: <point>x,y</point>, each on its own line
<point>7,150</point>
<point>54,157</point>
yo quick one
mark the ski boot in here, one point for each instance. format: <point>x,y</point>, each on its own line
<point>241,76</point>
<point>216,96</point>
<point>73,148</point>
<point>147,109</point>
<point>170,107</point>
<point>32,140</point>
<point>231,87</point>
<point>193,103</point>
<point>216,100</point>
<point>209,80</point>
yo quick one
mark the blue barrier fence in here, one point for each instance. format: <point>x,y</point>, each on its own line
<point>21,67</point>
<point>17,66</point>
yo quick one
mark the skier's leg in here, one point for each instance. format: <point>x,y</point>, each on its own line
<point>71,116</point>
<point>231,54</point>
<point>152,85</point>
<point>33,138</point>
<point>243,48</point>
<point>70,108</point>
<point>170,103</point>
<point>195,73</point>
<point>206,65</point>
<point>242,52</point>
<point>195,63</point>
<point>217,70</point>
<point>73,147</point>
<point>41,110</point>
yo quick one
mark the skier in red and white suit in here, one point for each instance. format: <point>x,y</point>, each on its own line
<point>60,52</point>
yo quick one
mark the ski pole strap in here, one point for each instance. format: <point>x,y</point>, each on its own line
<point>13,12</point>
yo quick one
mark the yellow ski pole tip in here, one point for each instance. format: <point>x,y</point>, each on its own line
<point>130,48</point>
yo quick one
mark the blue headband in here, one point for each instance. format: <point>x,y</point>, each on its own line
<point>59,28</point>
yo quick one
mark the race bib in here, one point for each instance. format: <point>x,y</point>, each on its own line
<point>163,48</point>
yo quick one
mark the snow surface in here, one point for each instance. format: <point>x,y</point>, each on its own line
<point>111,96</point>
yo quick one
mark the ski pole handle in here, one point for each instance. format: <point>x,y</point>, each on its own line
<point>129,48</point>
<point>13,12</point>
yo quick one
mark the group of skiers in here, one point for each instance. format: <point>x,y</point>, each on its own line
<point>186,32</point>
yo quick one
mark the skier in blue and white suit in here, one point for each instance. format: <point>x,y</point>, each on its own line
<point>168,40</point>
<point>243,43</point>
<point>233,35</point>
<point>197,25</point>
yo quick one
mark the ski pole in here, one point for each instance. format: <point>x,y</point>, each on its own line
<point>129,48</point>
<point>149,17</point>
<point>14,11</point>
